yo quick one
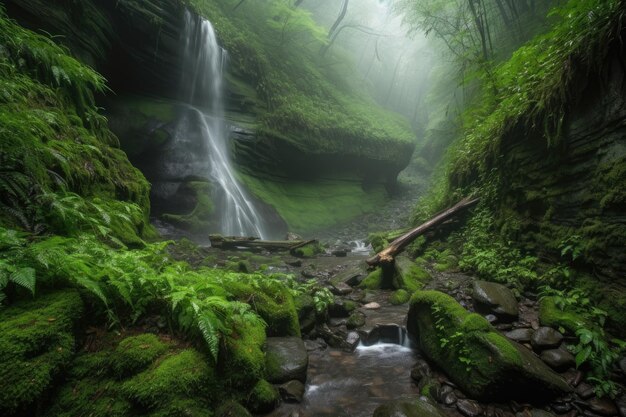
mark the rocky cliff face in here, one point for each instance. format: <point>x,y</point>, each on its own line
<point>575,191</point>
<point>136,46</point>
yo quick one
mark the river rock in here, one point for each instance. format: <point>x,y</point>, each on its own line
<point>493,368</point>
<point>407,408</point>
<point>558,359</point>
<point>420,370</point>
<point>585,391</point>
<point>292,391</point>
<point>603,406</point>
<point>535,412</point>
<point>286,359</point>
<point>520,335</point>
<point>356,320</point>
<point>490,297</point>
<point>340,288</point>
<point>469,408</point>
<point>546,338</point>
<point>371,306</point>
<point>341,308</point>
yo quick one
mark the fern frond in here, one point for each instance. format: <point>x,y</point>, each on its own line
<point>208,324</point>
<point>25,277</point>
<point>91,286</point>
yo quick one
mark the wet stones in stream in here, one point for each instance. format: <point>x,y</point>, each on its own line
<point>286,359</point>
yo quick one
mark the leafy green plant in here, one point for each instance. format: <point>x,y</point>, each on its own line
<point>593,350</point>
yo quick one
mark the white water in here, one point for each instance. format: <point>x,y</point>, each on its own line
<point>202,90</point>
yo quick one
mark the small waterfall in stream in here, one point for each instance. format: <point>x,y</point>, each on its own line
<point>202,91</point>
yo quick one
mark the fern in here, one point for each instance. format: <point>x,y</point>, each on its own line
<point>209,326</point>
<point>24,277</point>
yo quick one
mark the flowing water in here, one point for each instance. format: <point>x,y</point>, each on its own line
<point>354,384</point>
<point>202,88</point>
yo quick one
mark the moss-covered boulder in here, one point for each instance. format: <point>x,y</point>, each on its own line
<point>409,275</point>
<point>481,361</point>
<point>272,301</point>
<point>141,372</point>
<point>135,353</point>
<point>185,373</point>
<point>36,345</point>
<point>551,315</point>
<point>232,409</point>
<point>286,359</point>
<point>399,297</point>
<point>263,398</point>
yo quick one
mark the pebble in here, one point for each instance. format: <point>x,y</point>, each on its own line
<point>603,406</point>
<point>371,306</point>
<point>520,335</point>
<point>545,338</point>
<point>469,408</point>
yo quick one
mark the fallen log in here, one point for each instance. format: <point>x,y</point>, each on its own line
<point>386,255</point>
<point>231,242</point>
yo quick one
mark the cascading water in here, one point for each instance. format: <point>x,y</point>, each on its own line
<point>202,91</point>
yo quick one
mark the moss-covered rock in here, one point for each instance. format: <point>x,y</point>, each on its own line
<point>551,315</point>
<point>232,409</point>
<point>182,374</point>
<point>263,398</point>
<point>373,280</point>
<point>242,361</point>
<point>476,357</point>
<point>272,301</point>
<point>36,345</point>
<point>135,353</point>
<point>307,316</point>
<point>409,275</point>
<point>308,251</point>
<point>399,297</point>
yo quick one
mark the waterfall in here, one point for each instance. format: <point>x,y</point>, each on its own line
<point>202,91</point>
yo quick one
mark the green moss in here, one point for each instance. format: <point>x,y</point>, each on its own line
<point>182,374</point>
<point>475,356</point>
<point>409,275</point>
<point>242,362</point>
<point>399,297</point>
<point>36,344</point>
<point>184,408</point>
<point>308,251</point>
<point>90,396</point>
<point>274,303</point>
<point>263,398</point>
<point>135,353</point>
<point>373,280</point>
<point>552,316</point>
<point>307,206</point>
<point>232,409</point>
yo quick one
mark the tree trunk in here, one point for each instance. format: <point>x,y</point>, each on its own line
<point>386,255</point>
